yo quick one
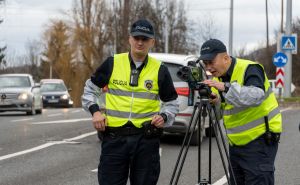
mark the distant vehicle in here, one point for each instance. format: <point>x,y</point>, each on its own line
<point>55,93</point>
<point>19,93</point>
<point>174,62</point>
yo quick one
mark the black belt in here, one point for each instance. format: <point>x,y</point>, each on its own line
<point>123,131</point>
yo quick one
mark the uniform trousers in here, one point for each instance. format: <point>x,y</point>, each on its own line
<point>253,164</point>
<point>132,156</point>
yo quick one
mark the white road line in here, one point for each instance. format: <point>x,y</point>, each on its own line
<point>61,121</point>
<point>286,109</point>
<point>222,181</point>
<point>18,120</point>
<point>52,115</point>
<point>95,170</point>
<point>45,146</point>
<point>75,111</point>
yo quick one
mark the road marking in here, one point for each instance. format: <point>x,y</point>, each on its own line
<point>18,120</point>
<point>61,121</point>
<point>286,109</point>
<point>52,115</point>
<point>222,181</point>
<point>75,111</point>
<point>46,145</point>
<point>95,170</point>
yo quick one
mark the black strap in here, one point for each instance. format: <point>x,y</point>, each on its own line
<point>267,124</point>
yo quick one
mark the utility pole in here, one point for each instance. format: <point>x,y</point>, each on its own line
<point>167,28</point>
<point>281,24</point>
<point>288,66</point>
<point>230,28</point>
<point>267,24</point>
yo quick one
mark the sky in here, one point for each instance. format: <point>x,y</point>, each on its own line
<point>24,20</point>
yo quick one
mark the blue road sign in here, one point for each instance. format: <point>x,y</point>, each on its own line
<point>280,59</point>
<point>288,42</point>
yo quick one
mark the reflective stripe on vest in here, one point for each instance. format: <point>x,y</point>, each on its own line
<point>244,124</point>
<point>124,102</point>
<point>121,114</point>
<point>144,95</point>
<point>253,124</point>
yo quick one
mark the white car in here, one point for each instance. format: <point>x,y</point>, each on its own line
<point>182,120</point>
<point>18,92</point>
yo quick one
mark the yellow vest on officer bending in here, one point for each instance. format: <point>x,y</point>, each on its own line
<point>244,124</point>
<point>124,102</point>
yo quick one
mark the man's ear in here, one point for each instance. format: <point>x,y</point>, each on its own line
<point>152,43</point>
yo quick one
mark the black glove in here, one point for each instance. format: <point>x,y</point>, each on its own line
<point>151,131</point>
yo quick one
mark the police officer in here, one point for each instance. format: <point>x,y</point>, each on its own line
<point>250,113</point>
<point>131,124</point>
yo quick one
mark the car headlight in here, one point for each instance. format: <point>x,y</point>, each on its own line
<point>23,96</point>
<point>64,97</point>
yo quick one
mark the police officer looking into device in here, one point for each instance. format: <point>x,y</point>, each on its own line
<point>136,84</point>
<point>251,115</point>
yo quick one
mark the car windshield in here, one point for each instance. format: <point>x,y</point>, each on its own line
<point>51,87</point>
<point>173,68</point>
<point>14,81</point>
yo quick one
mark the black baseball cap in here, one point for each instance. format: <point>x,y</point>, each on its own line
<point>142,27</point>
<point>211,48</point>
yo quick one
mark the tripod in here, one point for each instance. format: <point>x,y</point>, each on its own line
<point>201,108</point>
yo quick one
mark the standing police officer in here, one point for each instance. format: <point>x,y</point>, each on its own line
<point>136,84</point>
<point>250,113</point>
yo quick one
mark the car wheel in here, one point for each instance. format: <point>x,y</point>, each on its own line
<point>32,111</point>
<point>195,140</point>
<point>39,111</point>
<point>208,130</point>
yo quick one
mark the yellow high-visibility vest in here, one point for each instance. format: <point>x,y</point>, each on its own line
<point>244,124</point>
<point>135,103</point>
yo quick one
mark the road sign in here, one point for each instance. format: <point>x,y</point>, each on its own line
<point>279,77</point>
<point>280,59</point>
<point>289,43</point>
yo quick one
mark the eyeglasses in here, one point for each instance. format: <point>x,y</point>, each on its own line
<point>137,38</point>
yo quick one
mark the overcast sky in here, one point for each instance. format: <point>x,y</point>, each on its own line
<point>24,19</point>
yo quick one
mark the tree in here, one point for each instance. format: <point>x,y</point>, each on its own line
<point>2,56</point>
<point>58,50</point>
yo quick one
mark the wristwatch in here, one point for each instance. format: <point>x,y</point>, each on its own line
<point>164,116</point>
<point>227,85</point>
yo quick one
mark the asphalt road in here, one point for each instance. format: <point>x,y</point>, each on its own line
<point>60,147</point>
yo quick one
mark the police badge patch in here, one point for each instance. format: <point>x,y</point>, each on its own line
<point>148,84</point>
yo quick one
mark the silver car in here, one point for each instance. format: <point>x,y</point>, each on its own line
<point>182,120</point>
<point>19,93</point>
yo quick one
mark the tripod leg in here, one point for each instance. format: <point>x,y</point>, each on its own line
<point>225,148</point>
<point>185,145</point>
<point>217,130</point>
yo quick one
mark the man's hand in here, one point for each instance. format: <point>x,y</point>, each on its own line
<point>218,85</point>
<point>213,99</point>
<point>158,121</point>
<point>99,121</point>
